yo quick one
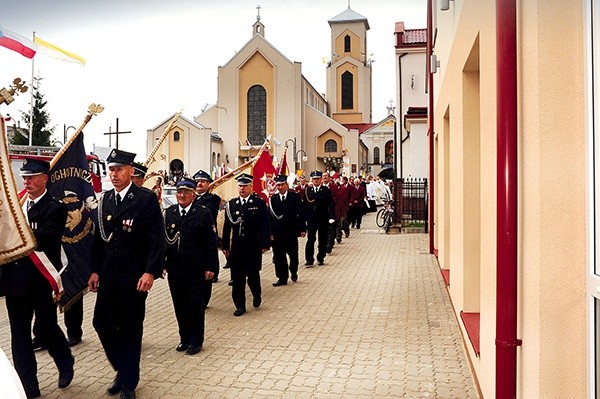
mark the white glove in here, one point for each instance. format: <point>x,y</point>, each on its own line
<point>331,221</point>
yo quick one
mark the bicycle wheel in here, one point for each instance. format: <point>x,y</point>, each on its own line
<point>388,221</point>
<point>380,217</point>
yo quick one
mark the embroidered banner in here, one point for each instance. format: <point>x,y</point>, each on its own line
<point>17,238</point>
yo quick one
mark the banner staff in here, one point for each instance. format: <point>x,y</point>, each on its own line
<point>93,109</point>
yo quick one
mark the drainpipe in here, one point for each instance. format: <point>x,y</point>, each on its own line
<point>506,229</point>
<point>430,115</point>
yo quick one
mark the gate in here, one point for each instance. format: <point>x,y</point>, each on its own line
<point>411,201</point>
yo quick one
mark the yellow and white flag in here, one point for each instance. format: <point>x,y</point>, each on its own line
<point>56,52</point>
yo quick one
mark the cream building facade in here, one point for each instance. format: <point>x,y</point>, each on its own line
<point>261,93</point>
<point>557,283</point>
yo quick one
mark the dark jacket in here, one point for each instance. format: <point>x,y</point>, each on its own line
<point>132,239</point>
<point>212,202</point>
<point>195,250</point>
<point>287,218</point>
<point>246,232</point>
<point>47,219</point>
<point>321,207</point>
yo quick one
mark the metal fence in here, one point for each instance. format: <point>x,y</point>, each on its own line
<point>411,201</point>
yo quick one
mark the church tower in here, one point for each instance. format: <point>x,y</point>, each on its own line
<point>349,71</point>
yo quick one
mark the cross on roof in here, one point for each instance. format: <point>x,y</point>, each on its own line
<point>258,15</point>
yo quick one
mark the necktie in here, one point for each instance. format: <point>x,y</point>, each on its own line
<point>243,201</point>
<point>282,198</point>
<point>183,213</point>
<point>29,205</point>
<point>118,200</point>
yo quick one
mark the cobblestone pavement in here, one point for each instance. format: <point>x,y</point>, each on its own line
<point>374,321</point>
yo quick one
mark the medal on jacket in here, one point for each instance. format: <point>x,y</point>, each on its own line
<point>127,223</point>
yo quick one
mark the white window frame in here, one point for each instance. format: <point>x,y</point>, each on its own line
<point>592,98</point>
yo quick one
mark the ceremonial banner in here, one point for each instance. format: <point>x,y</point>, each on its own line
<point>264,176</point>
<point>17,238</point>
<point>226,188</point>
<point>71,182</point>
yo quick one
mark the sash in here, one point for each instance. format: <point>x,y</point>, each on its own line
<point>43,264</point>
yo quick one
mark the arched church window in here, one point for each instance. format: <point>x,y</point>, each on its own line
<point>176,136</point>
<point>376,155</point>
<point>389,152</point>
<point>330,146</point>
<point>257,115</point>
<point>347,90</point>
<point>347,46</point>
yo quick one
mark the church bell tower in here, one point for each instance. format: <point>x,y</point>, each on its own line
<point>349,71</point>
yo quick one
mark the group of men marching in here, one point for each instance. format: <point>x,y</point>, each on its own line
<point>134,244</point>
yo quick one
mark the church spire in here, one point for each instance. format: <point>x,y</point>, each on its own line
<point>258,28</point>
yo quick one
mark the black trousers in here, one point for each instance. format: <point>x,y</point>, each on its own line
<point>238,289</point>
<point>309,250</point>
<point>284,247</point>
<point>73,322</point>
<point>188,293</point>
<point>119,321</point>
<point>20,314</point>
<point>355,215</point>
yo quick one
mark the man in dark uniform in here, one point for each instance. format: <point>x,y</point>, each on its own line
<point>287,223</point>
<point>321,214</point>
<point>139,174</point>
<point>192,258</point>
<point>330,184</point>
<point>246,236</point>
<point>128,254</point>
<point>28,291</point>
<point>213,203</point>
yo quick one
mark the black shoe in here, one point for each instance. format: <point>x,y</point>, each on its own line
<point>230,283</point>
<point>256,302</point>
<point>66,376</point>
<point>74,341</point>
<point>127,394</point>
<point>328,250</point>
<point>294,277</point>
<point>309,264</point>
<point>339,240</point>
<point>192,350</point>
<point>215,279</point>
<point>358,226</point>
<point>279,283</point>
<point>182,347</point>
<point>114,387</point>
<point>226,266</point>
<point>239,312</point>
<point>37,345</point>
<point>321,262</point>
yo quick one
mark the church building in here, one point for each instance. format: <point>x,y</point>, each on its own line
<point>261,93</point>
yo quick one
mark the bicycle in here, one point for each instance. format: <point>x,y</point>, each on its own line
<point>385,216</point>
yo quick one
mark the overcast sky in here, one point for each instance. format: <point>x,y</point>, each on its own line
<point>148,59</point>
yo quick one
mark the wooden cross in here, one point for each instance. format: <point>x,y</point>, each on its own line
<point>116,133</point>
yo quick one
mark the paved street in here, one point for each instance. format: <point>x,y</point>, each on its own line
<point>374,321</point>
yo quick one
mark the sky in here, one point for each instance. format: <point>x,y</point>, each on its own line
<point>147,59</point>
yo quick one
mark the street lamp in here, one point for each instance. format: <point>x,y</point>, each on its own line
<point>304,156</point>
<point>66,129</point>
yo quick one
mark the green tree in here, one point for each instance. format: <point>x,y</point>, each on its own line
<point>42,132</point>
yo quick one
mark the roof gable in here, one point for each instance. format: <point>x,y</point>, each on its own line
<point>349,15</point>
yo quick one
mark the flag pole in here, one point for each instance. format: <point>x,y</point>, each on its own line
<point>252,161</point>
<point>31,100</point>
<point>150,159</point>
<point>93,109</point>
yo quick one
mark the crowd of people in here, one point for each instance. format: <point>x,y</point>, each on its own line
<point>135,243</point>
